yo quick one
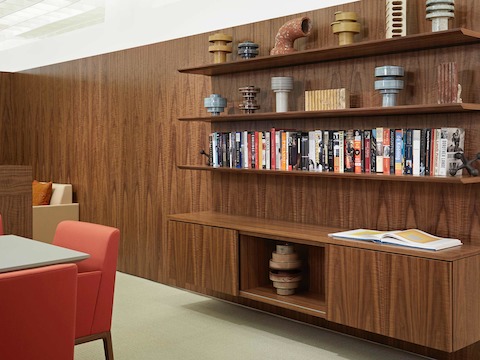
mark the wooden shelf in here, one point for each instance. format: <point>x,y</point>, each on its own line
<point>378,177</point>
<point>305,302</point>
<point>352,112</point>
<point>416,42</point>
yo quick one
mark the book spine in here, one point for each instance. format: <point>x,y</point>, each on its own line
<point>253,147</point>
<point>367,151</point>
<point>379,150</point>
<point>336,152</point>
<point>398,152</point>
<point>312,159</point>
<point>238,150</point>
<point>357,148</point>
<point>331,151</point>
<point>273,148</point>
<point>284,150</point>
<point>373,151</point>
<point>392,151</point>
<point>304,147</point>
<point>428,151</point>
<point>319,164</point>
<point>349,151</point>
<point>267,150</point>
<point>442,153</point>
<point>408,169</point>
<point>278,149</point>
<point>341,148</point>
<point>423,150</point>
<point>416,152</point>
<point>386,151</point>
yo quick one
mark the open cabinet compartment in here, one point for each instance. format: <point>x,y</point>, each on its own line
<point>309,298</point>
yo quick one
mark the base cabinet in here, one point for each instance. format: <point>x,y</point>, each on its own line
<point>426,298</point>
<point>203,257</point>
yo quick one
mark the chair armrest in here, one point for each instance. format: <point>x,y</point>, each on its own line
<point>47,217</point>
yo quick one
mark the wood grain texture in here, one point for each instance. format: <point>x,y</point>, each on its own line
<point>401,297</point>
<point>203,257</point>
<point>16,199</point>
<point>107,124</point>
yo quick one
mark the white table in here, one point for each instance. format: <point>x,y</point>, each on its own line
<point>18,253</point>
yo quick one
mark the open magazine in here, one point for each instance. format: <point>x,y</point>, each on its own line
<point>411,237</point>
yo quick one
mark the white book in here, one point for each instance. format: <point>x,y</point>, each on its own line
<point>311,151</point>
<point>341,141</point>
<point>245,149</point>
<point>416,151</point>
<point>267,150</point>
<point>442,153</point>
<point>379,154</point>
<point>411,237</point>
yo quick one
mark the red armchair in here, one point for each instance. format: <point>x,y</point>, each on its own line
<point>37,313</point>
<point>96,278</point>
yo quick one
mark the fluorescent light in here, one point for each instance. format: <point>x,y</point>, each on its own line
<point>42,18</point>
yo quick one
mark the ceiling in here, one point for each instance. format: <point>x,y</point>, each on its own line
<point>24,21</point>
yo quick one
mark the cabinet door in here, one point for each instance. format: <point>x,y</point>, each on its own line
<point>404,297</point>
<point>353,288</point>
<point>203,257</point>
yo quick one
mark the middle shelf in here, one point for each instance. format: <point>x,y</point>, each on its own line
<point>351,112</point>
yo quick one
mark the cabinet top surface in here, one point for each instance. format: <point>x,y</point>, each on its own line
<point>311,234</point>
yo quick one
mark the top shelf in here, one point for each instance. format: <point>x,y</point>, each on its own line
<point>396,45</point>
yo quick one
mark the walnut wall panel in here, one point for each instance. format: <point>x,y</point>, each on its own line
<point>16,199</point>
<point>107,124</point>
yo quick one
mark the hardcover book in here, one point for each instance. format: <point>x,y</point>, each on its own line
<point>412,238</point>
<point>455,144</point>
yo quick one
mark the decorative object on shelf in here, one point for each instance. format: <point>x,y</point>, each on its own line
<point>249,104</point>
<point>289,32</point>
<point>439,12</point>
<point>345,26</point>
<point>282,85</point>
<point>220,47</point>
<point>215,104</point>
<point>285,269</point>
<point>449,90</point>
<point>247,49</point>
<point>396,18</point>
<point>327,99</point>
<point>389,86</point>
<point>202,152</point>
<point>466,164</point>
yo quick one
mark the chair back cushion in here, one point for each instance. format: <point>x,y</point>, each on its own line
<point>37,312</point>
<point>101,243</point>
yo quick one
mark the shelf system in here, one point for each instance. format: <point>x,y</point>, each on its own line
<point>415,42</point>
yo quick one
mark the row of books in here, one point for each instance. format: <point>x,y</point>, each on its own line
<point>429,151</point>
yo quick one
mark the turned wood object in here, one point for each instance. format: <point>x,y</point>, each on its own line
<point>220,47</point>
<point>345,26</point>
<point>285,269</point>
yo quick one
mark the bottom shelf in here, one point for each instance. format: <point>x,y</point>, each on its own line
<point>305,302</point>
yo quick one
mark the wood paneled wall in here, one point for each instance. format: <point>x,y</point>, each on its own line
<point>107,124</point>
<point>16,199</point>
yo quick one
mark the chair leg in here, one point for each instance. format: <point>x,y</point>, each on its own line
<point>107,345</point>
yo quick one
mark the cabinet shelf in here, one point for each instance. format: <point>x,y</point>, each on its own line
<point>379,177</point>
<point>339,113</point>
<point>305,302</point>
<point>396,45</point>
